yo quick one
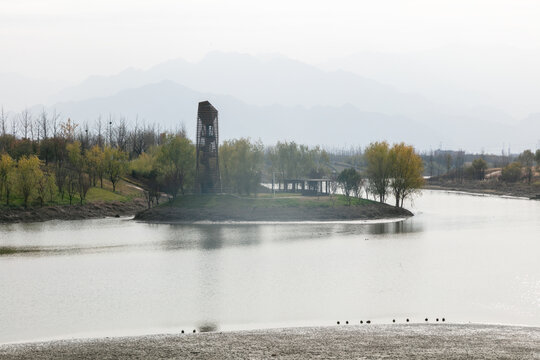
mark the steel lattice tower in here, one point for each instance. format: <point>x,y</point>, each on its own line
<point>207,171</point>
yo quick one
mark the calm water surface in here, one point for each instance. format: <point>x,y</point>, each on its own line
<point>466,258</point>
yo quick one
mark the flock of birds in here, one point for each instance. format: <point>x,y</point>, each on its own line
<point>367,322</point>
<point>393,321</point>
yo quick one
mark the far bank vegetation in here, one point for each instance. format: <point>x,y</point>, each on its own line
<point>514,174</point>
<point>47,161</point>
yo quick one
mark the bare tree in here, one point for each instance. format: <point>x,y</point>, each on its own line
<point>430,163</point>
<point>460,162</point>
<point>99,128</point>
<point>14,125</point>
<point>26,122</point>
<point>121,135</point>
<point>54,122</point>
<point>44,124</point>
<point>3,121</point>
<point>110,131</point>
<point>84,136</point>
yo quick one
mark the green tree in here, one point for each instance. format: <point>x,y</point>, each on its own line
<point>537,157</point>
<point>76,159</point>
<point>41,188</point>
<point>379,168</point>
<point>7,167</point>
<point>407,168</point>
<point>349,180</point>
<point>511,172</point>
<point>115,164</point>
<point>291,161</point>
<point>95,158</point>
<point>28,175</point>
<point>145,168</point>
<point>83,185</point>
<point>61,179</point>
<point>479,167</point>
<point>241,165</point>
<point>71,185</point>
<point>526,158</point>
<point>51,188</point>
<point>176,163</point>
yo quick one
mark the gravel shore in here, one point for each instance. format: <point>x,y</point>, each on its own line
<point>415,341</point>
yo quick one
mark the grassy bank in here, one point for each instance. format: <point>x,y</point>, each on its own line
<point>264,200</point>
<point>337,342</point>
<point>266,207</point>
<point>99,202</point>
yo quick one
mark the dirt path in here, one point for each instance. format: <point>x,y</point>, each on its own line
<point>417,341</point>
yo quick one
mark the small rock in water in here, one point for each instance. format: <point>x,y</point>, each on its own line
<point>361,322</point>
<point>368,322</point>
<point>393,320</point>
<point>437,319</point>
<point>426,319</point>
<point>338,322</point>
<point>347,322</point>
<point>194,331</point>
<point>407,320</point>
<point>182,331</point>
<point>443,319</point>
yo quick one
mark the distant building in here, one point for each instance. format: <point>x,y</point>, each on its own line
<point>207,178</point>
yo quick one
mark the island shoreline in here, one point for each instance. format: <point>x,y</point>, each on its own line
<point>171,214</point>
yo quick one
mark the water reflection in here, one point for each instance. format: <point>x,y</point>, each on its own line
<point>461,259</point>
<point>211,237</point>
<point>400,227</point>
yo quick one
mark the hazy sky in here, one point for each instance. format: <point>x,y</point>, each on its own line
<point>69,40</point>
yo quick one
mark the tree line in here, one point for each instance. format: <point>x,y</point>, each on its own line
<point>513,168</point>
<point>68,158</point>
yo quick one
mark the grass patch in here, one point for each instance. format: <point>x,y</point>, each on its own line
<point>99,194</point>
<point>264,200</point>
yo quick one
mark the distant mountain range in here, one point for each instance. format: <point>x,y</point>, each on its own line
<point>278,98</point>
<point>171,105</point>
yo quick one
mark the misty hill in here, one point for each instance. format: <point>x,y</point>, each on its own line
<point>17,92</point>
<point>478,78</point>
<point>171,104</point>
<point>274,80</point>
<point>284,90</point>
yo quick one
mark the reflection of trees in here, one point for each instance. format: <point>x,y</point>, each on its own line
<point>211,237</point>
<point>400,227</point>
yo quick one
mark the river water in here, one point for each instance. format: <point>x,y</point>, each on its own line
<point>462,257</point>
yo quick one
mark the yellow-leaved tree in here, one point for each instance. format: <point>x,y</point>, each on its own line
<point>28,176</point>
<point>7,168</point>
<point>406,175</point>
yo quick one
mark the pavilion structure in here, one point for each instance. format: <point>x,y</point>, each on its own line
<point>307,187</point>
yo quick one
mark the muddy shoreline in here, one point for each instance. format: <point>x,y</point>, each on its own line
<point>71,212</point>
<point>400,341</point>
<point>172,214</point>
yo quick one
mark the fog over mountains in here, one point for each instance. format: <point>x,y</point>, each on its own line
<point>276,98</point>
